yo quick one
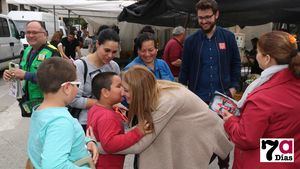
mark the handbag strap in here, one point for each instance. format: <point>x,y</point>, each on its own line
<point>85,70</point>
<point>85,161</point>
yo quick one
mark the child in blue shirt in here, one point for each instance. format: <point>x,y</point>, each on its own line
<point>56,139</point>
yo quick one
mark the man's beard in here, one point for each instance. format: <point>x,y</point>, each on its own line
<point>209,29</point>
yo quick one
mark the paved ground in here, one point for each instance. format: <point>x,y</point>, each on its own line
<point>14,130</point>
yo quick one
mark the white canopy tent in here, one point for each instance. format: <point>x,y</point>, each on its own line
<point>94,12</point>
<point>78,7</point>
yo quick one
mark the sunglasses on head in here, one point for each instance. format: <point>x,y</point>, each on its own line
<point>72,83</point>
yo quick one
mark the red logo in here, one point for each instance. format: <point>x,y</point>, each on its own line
<point>222,46</point>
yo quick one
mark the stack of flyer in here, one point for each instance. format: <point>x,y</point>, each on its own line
<point>221,102</point>
<point>15,86</point>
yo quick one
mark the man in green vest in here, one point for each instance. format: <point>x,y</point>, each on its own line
<point>37,51</point>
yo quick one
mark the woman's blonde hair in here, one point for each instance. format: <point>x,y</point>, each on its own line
<point>144,92</point>
<point>56,35</point>
<point>283,48</point>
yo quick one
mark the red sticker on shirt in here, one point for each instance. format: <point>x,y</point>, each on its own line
<point>222,46</point>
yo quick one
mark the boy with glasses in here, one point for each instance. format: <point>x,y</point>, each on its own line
<point>56,139</point>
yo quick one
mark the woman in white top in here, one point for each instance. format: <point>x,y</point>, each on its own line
<point>100,61</point>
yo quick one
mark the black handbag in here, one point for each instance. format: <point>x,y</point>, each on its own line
<point>27,106</point>
<point>23,111</point>
<point>74,111</point>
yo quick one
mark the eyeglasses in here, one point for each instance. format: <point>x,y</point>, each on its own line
<point>34,32</point>
<point>205,17</point>
<point>72,83</point>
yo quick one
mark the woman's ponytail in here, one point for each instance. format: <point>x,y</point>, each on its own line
<point>294,64</point>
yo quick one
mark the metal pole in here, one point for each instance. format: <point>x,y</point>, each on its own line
<point>69,26</point>
<point>186,24</point>
<point>54,18</point>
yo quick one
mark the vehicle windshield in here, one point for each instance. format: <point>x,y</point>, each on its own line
<point>21,25</point>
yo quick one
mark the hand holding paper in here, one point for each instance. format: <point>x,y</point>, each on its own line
<point>222,103</point>
<point>15,88</point>
<point>226,115</point>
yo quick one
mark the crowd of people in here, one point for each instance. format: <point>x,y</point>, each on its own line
<point>156,108</point>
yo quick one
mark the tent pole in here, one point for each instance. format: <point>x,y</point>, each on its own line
<point>187,21</point>
<point>54,18</point>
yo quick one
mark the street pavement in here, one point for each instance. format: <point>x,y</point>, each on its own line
<point>13,131</point>
<point>14,134</point>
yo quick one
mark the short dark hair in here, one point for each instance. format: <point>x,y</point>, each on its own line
<point>148,29</point>
<point>72,33</point>
<point>207,4</point>
<point>254,40</point>
<point>144,37</point>
<point>108,34</point>
<point>102,81</point>
<point>53,72</point>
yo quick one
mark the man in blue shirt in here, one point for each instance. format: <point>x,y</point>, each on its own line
<point>211,60</point>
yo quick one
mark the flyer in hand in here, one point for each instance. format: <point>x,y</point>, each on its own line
<point>221,102</point>
<point>15,85</point>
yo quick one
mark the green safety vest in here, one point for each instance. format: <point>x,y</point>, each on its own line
<point>32,90</point>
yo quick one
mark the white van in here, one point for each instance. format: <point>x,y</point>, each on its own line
<point>22,17</point>
<point>10,45</point>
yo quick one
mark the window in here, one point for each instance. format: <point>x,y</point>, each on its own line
<point>4,30</point>
<point>14,31</point>
<point>22,7</point>
<point>12,7</point>
<point>32,8</point>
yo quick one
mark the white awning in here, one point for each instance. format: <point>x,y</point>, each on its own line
<point>83,8</point>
